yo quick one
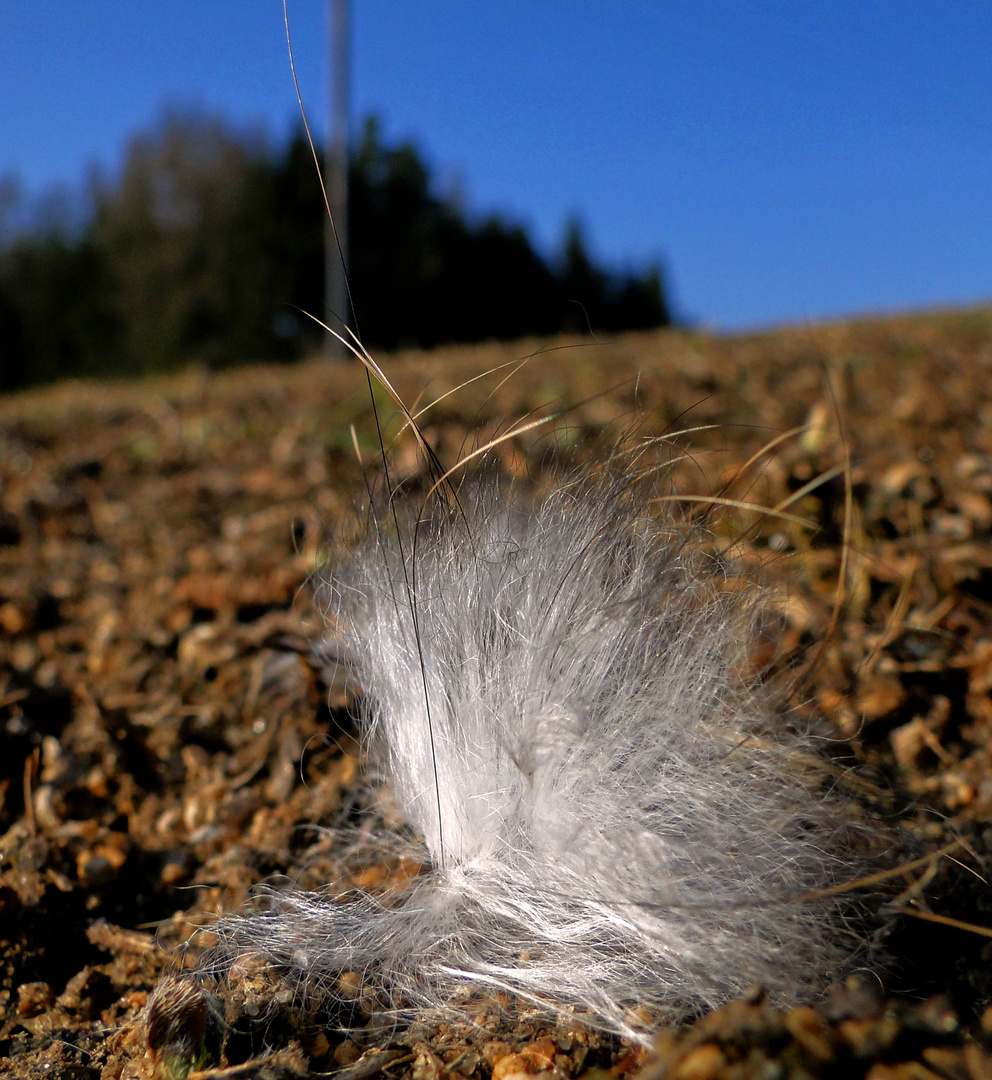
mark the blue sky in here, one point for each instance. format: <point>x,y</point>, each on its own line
<point>786,160</point>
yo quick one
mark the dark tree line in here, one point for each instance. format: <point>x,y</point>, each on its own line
<point>208,248</point>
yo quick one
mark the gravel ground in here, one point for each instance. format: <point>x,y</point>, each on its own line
<point>168,744</point>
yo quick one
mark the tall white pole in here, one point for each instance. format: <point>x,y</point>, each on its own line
<point>337,309</point>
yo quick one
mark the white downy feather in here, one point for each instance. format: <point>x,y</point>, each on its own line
<point>611,818</point>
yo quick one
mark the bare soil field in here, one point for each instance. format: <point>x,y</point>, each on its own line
<point>168,743</point>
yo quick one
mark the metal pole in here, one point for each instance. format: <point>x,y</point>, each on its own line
<point>336,304</point>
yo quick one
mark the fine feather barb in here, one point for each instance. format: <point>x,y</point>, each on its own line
<point>609,818</point>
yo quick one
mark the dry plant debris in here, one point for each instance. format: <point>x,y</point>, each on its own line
<point>167,745</point>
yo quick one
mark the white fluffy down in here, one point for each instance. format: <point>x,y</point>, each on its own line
<point>612,818</point>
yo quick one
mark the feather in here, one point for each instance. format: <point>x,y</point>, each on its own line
<point>612,818</point>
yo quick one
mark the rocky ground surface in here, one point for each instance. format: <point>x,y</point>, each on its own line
<point>167,743</point>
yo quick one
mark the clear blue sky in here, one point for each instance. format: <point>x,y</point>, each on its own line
<point>787,160</point>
